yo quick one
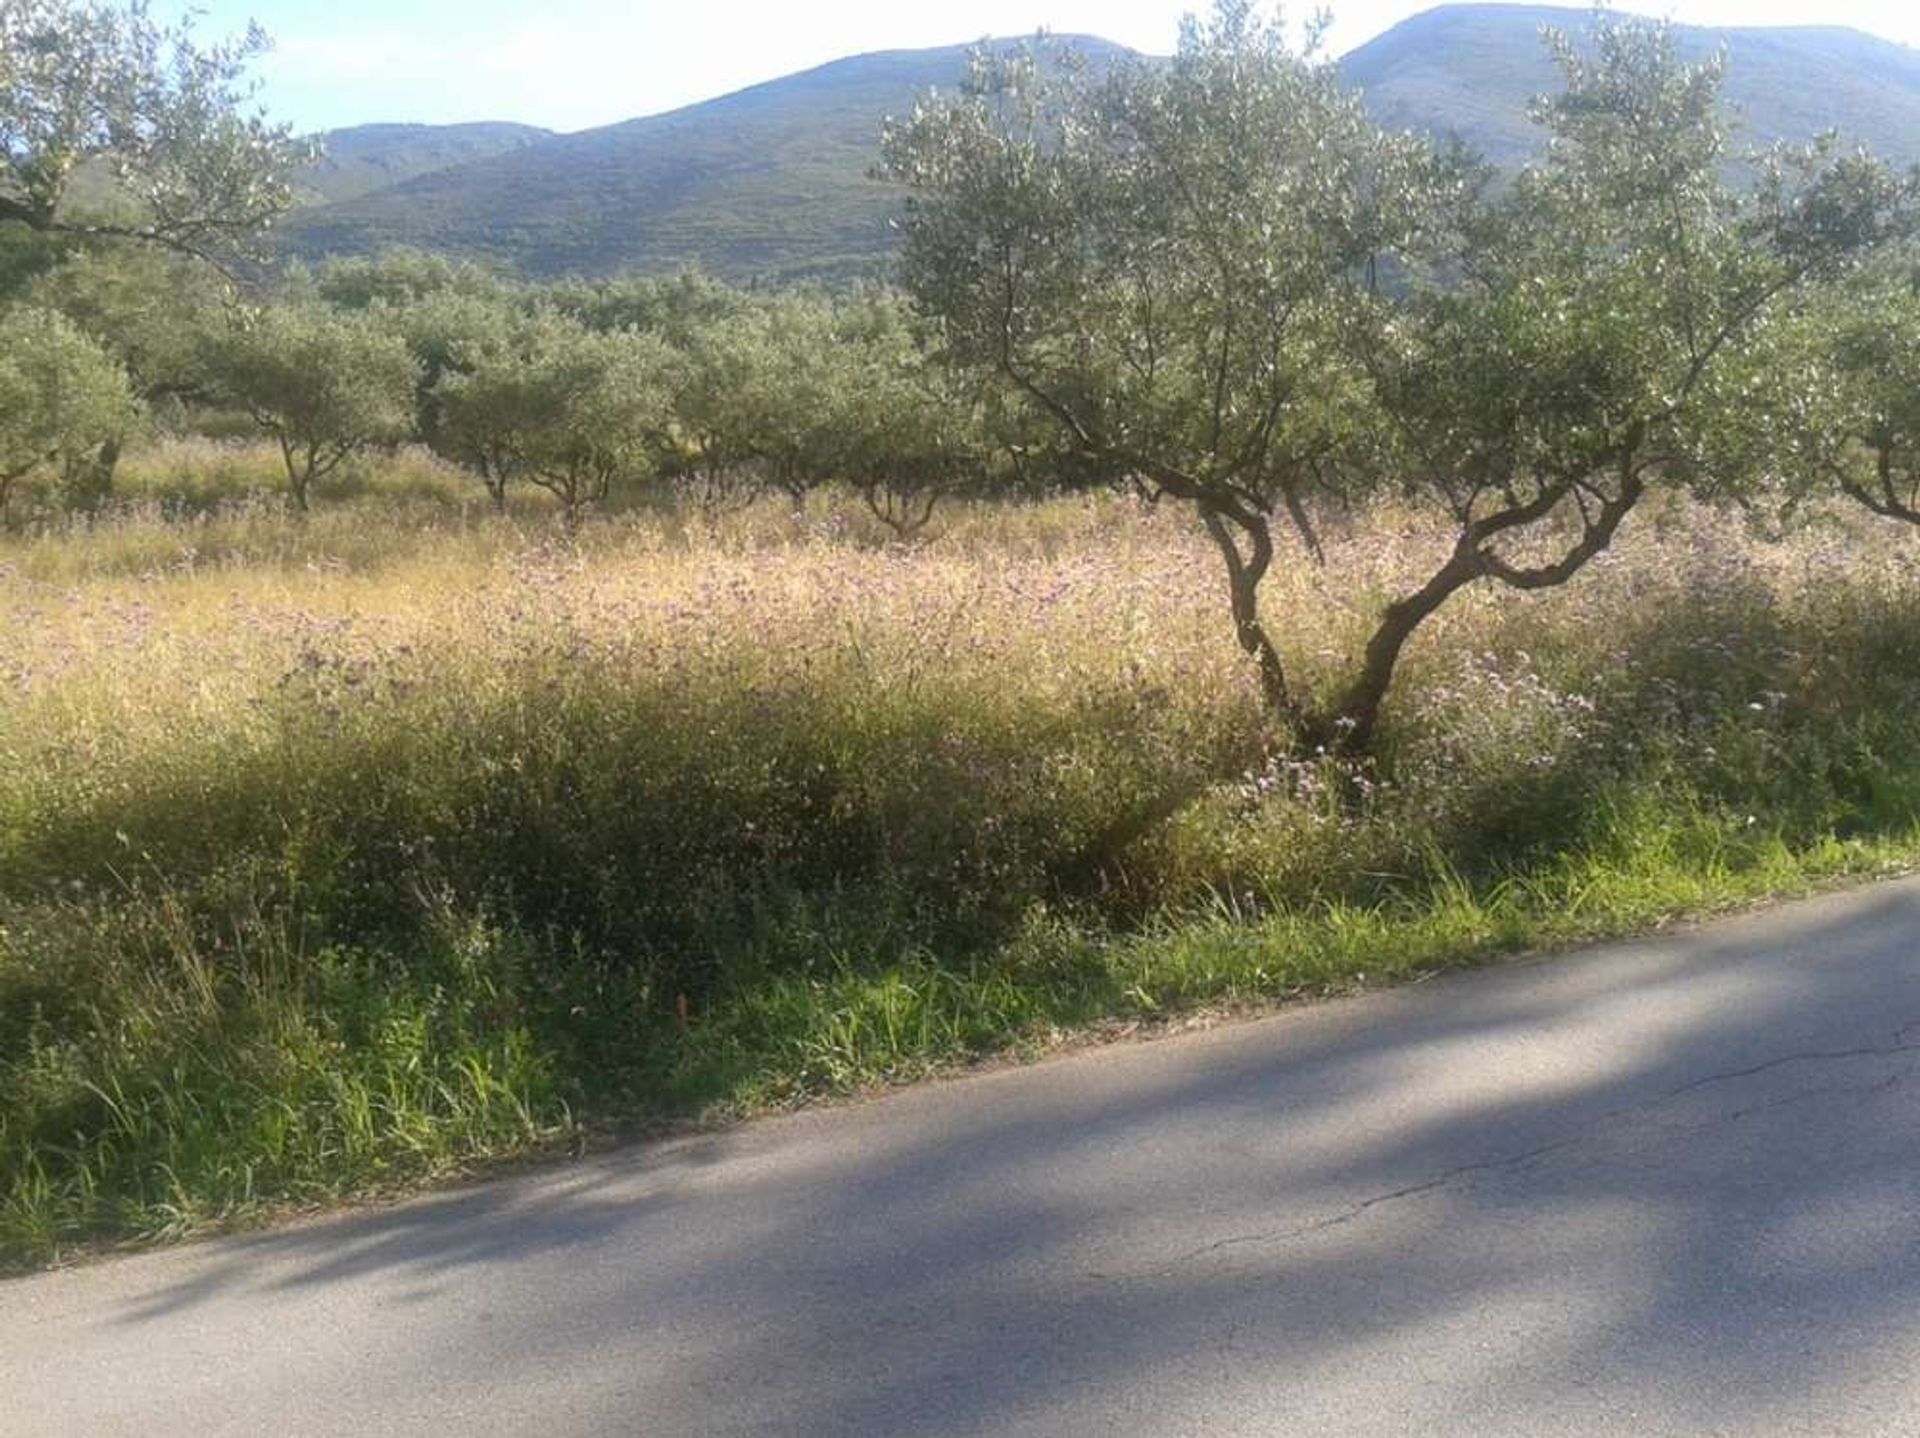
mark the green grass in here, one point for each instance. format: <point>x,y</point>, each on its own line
<point>852,1028</point>
<point>306,1078</point>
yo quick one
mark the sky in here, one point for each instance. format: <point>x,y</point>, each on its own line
<point>571,64</point>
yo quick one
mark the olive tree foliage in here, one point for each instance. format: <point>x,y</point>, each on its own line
<point>1580,350</point>
<point>739,425</point>
<point>150,309</point>
<point>675,307</point>
<point>61,396</point>
<point>803,388</point>
<point>1219,275</point>
<point>908,429</point>
<point>1154,259</point>
<point>444,308</point>
<point>773,379</point>
<point>400,276</point>
<point>479,365</point>
<point>1873,357</point>
<point>449,333</point>
<point>708,334</point>
<point>571,410</point>
<point>89,84</point>
<point>776,392</point>
<point>699,320</point>
<point>146,305</point>
<point>324,384</point>
<point>1840,394</point>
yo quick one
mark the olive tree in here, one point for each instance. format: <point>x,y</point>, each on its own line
<point>1840,394</point>
<point>799,388</point>
<point>482,398</point>
<point>743,368</point>
<point>752,387</point>
<point>61,395</point>
<point>571,410</point>
<point>87,85</point>
<point>675,307</point>
<point>1565,348</point>
<point>1218,275</point>
<point>1153,260</point>
<point>908,431</point>
<point>323,384</point>
<point>402,276</point>
<point>150,309</point>
<point>449,332</point>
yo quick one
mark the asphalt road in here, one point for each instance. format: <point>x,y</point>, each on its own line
<point>1670,1187</point>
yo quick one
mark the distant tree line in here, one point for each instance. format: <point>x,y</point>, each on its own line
<point>1213,278</point>
<point>576,389</point>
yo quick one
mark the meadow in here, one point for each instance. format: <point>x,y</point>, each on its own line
<point>346,853</point>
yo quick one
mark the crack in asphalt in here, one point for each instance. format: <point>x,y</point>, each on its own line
<point>1898,1046</point>
<point>1361,1207</point>
<point>1892,1081</point>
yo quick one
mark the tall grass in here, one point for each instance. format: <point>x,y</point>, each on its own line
<point>342,854</point>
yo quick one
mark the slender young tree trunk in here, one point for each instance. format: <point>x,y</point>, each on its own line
<point>906,514</point>
<point>299,475</point>
<point>1356,720</point>
<point>1244,573</point>
<point>89,481</point>
<point>1303,524</point>
<point>106,465</point>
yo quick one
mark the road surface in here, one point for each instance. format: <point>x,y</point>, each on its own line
<point>1662,1188</point>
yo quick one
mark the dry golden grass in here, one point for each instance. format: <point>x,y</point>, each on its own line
<point>335,854</point>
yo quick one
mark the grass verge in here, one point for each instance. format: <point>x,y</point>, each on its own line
<point>325,1078</point>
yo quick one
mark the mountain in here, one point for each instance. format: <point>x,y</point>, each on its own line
<point>1470,70</point>
<point>365,158</point>
<point>767,181</point>
<point>772,181</point>
<point>354,161</point>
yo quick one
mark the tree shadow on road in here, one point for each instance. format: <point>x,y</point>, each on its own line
<point>1686,1180</point>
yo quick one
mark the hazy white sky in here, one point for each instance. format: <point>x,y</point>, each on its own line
<point>568,64</point>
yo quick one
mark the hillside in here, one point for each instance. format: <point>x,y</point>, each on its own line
<point>772,181</point>
<point>365,158</point>
<point>768,180</point>
<point>354,161</point>
<point>1470,70</point>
